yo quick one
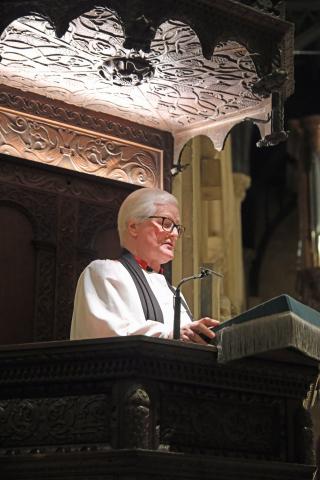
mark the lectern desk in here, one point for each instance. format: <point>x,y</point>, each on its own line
<point>141,408</point>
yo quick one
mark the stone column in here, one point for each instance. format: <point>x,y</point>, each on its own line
<point>304,145</point>
<point>241,183</point>
<point>210,197</point>
<point>311,162</point>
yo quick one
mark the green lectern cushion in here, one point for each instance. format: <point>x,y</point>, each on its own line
<point>279,323</point>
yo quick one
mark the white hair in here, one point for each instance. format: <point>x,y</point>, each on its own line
<point>141,204</point>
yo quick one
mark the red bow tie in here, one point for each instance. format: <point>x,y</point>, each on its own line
<point>145,266</point>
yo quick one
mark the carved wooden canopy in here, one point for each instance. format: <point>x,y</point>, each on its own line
<point>187,67</point>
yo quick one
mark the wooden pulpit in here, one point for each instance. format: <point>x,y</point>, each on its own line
<point>139,407</point>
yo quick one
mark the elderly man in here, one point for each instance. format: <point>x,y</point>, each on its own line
<point>130,296</point>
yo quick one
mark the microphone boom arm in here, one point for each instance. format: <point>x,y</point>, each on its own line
<point>204,272</point>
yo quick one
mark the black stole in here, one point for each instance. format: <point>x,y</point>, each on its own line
<point>150,304</point>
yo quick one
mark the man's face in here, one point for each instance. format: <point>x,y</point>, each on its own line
<point>153,244</point>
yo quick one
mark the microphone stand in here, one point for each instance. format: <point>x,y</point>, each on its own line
<point>204,272</point>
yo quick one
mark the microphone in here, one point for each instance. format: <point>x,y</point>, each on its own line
<point>204,272</point>
<point>207,271</point>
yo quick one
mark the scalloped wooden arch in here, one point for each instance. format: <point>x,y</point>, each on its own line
<point>142,21</point>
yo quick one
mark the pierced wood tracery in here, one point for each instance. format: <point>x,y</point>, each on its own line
<point>205,58</point>
<point>186,88</point>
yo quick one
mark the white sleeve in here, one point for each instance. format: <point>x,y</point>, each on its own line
<point>107,304</point>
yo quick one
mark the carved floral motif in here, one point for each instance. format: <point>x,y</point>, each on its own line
<point>14,99</point>
<point>22,176</point>
<point>84,152</point>
<point>116,394</point>
<point>48,421</point>
<point>247,424</point>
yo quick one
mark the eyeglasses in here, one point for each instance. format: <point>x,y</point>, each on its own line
<point>168,225</point>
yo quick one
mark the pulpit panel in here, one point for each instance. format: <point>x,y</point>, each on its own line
<point>17,279</point>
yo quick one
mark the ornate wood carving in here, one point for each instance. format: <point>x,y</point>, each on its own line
<point>136,23</point>
<point>66,277</point>
<point>186,88</point>
<point>40,207</point>
<point>107,359</point>
<point>44,309</point>
<point>35,176</point>
<point>204,59</point>
<point>133,421</point>
<point>54,421</point>
<point>37,105</point>
<point>67,211</point>
<point>100,400</point>
<point>227,424</point>
<point>67,147</point>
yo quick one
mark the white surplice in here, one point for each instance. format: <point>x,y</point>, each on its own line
<point>107,304</point>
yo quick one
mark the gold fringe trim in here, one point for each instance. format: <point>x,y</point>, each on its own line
<point>273,332</point>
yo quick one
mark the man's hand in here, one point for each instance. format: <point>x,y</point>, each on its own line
<point>191,331</point>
